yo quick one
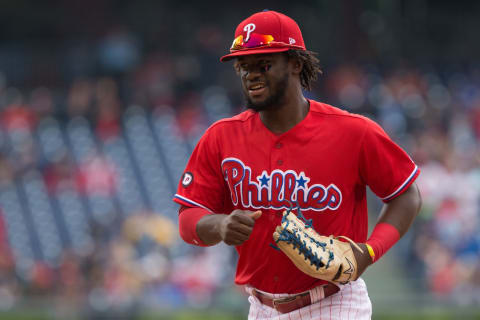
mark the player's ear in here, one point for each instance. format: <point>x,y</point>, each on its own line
<point>296,65</point>
<point>236,66</point>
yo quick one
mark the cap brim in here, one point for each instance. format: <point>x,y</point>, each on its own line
<point>247,52</point>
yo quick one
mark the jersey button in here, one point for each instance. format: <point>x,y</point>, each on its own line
<point>279,162</point>
<point>279,145</point>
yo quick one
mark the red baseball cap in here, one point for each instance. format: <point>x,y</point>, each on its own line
<point>265,32</point>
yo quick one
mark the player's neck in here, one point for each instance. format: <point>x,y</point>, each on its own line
<point>288,115</point>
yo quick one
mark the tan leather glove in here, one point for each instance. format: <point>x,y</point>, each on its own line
<point>321,257</point>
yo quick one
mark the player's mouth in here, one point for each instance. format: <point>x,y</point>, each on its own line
<point>256,89</point>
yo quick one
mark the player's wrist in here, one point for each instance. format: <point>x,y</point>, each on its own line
<point>220,226</point>
<point>365,254</point>
<point>362,258</point>
<point>209,229</point>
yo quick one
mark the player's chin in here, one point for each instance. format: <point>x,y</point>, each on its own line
<point>257,103</point>
<point>255,106</point>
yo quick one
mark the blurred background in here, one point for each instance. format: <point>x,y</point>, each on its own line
<point>102,101</point>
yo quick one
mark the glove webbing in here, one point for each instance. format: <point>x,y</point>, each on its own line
<point>294,239</point>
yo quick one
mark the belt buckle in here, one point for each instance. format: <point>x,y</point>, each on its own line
<point>278,301</point>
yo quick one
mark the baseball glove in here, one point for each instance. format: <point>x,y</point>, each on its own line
<point>321,257</point>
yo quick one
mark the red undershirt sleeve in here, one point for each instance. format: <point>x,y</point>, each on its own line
<point>187,223</point>
<point>383,237</point>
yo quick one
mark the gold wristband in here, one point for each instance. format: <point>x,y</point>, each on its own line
<point>370,251</point>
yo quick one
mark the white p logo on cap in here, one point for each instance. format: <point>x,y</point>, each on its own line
<point>249,29</point>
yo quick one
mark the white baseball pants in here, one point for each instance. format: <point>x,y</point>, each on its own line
<point>350,303</point>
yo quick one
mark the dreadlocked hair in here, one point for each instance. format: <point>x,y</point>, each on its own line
<point>311,66</point>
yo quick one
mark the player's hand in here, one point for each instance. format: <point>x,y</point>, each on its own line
<point>363,259</point>
<point>236,227</point>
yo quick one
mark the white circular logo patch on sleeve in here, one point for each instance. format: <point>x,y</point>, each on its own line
<point>187,179</point>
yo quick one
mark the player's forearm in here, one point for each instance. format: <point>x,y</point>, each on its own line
<point>395,219</point>
<point>401,211</point>
<point>208,229</point>
<point>197,226</point>
<point>200,227</point>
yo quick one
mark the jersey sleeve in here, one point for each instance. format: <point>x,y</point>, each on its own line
<point>202,183</point>
<point>384,166</point>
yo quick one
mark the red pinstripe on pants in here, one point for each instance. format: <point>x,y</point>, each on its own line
<point>351,303</point>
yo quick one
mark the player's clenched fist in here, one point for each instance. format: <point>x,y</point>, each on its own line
<point>236,227</point>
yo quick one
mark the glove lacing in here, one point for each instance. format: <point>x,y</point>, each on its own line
<point>295,239</point>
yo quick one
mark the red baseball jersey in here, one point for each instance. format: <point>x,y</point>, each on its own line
<point>323,165</point>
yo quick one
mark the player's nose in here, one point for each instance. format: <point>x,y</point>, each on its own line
<point>253,74</point>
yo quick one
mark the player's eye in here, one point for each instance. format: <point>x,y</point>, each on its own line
<point>264,67</point>
<point>244,67</point>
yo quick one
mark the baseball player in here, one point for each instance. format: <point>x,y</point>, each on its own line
<point>247,172</point>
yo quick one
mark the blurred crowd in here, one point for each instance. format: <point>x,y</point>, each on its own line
<point>128,259</point>
<point>136,258</point>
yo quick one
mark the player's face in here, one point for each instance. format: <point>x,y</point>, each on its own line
<point>264,79</point>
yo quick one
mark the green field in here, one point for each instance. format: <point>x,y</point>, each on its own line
<point>411,314</point>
